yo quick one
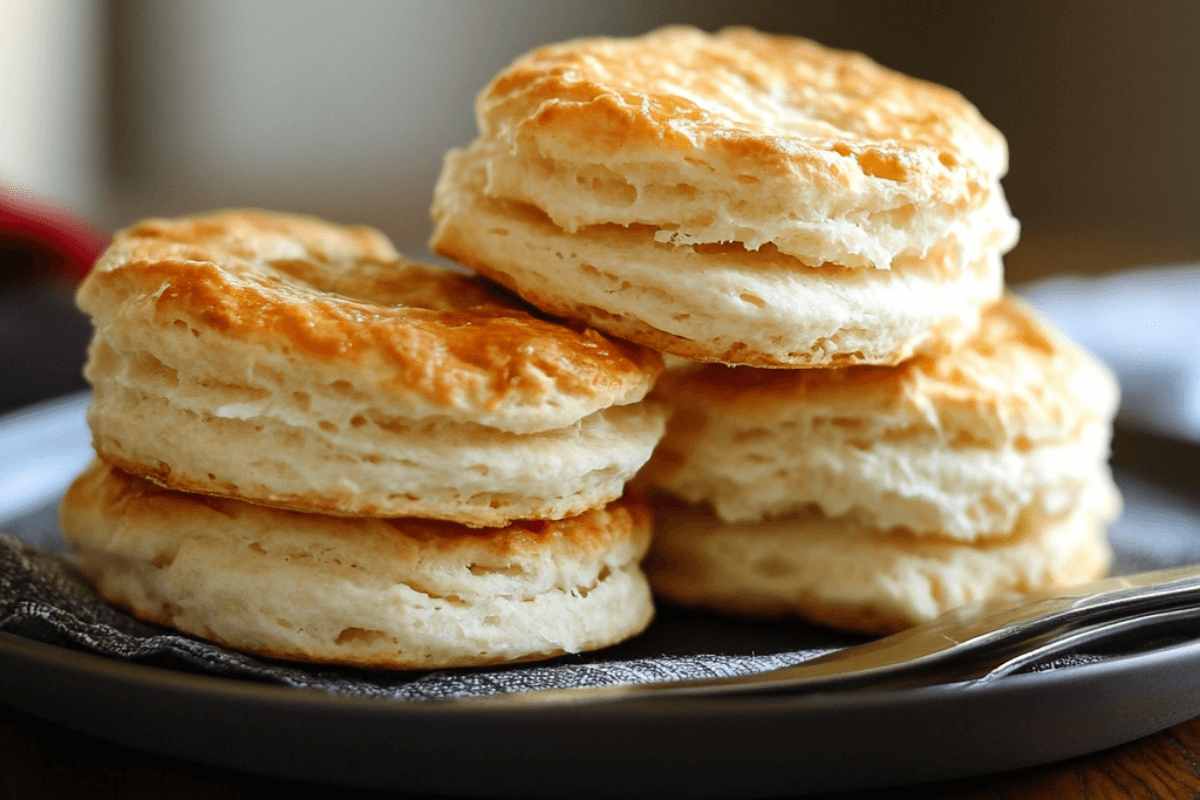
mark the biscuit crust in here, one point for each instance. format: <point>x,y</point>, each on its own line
<point>374,593</point>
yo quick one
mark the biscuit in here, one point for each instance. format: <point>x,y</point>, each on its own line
<point>287,361</point>
<point>736,197</point>
<point>838,573</point>
<point>377,593</point>
<point>958,446</point>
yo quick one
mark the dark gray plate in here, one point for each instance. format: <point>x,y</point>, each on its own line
<point>699,747</point>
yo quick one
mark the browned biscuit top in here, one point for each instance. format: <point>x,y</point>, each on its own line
<point>782,103</point>
<point>334,294</point>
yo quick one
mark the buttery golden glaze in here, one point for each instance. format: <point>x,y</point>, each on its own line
<point>757,106</point>
<point>373,593</point>
<point>753,94</point>
<point>1016,377</point>
<point>342,295</point>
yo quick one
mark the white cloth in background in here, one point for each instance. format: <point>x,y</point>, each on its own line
<point>1145,324</point>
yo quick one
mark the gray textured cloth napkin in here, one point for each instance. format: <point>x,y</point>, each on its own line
<point>43,597</point>
<point>1143,323</point>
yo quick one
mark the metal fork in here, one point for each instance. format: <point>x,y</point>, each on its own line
<point>978,642</point>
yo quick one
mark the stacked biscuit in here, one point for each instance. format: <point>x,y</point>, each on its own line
<point>874,498</point>
<point>311,448</point>
<point>920,440</point>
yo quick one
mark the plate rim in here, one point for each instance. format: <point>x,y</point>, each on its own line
<point>76,689</point>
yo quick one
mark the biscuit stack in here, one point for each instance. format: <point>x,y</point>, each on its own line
<point>919,439</point>
<point>310,448</point>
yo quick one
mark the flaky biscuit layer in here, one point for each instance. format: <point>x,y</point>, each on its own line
<point>394,593</point>
<point>185,432</point>
<point>714,302</point>
<point>836,572</point>
<point>956,446</point>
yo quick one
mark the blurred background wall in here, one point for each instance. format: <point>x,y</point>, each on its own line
<point>128,108</point>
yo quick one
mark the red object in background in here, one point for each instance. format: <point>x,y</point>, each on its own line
<point>66,244</point>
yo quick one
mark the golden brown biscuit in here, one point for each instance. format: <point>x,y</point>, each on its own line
<point>839,573</point>
<point>289,361</point>
<point>394,593</point>
<point>1018,420</point>
<point>736,196</point>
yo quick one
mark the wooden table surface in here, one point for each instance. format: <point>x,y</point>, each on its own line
<point>38,759</point>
